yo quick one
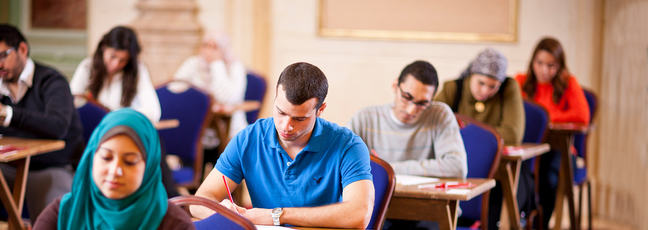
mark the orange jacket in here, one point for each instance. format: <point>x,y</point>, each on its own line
<point>572,107</point>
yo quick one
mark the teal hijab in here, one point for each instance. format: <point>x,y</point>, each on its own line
<point>87,208</point>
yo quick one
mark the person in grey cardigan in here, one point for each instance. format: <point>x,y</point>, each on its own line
<point>416,135</point>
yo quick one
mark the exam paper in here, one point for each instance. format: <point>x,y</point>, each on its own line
<point>412,180</point>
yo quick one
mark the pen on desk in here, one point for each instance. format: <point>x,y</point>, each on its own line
<point>230,194</point>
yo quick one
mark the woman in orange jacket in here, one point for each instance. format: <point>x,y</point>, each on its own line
<point>549,83</point>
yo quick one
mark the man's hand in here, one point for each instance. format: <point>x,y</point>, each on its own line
<point>231,206</point>
<point>259,216</point>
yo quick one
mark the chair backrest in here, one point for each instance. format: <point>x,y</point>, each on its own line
<point>90,114</point>
<point>222,219</point>
<point>536,122</point>
<point>580,140</point>
<point>191,107</point>
<point>384,183</point>
<point>255,91</point>
<point>483,148</point>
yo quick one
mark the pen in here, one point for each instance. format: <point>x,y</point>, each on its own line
<point>230,194</point>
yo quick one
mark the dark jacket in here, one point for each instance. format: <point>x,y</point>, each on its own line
<point>47,112</point>
<point>175,218</point>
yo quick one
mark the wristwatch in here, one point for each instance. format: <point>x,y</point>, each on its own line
<point>276,214</point>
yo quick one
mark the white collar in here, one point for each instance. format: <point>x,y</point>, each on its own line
<point>25,81</point>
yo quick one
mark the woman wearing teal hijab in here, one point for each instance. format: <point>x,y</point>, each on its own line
<point>118,182</point>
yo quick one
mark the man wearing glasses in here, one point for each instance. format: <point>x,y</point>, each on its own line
<point>35,102</point>
<point>416,135</point>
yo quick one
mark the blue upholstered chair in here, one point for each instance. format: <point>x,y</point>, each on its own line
<point>537,121</point>
<point>255,91</point>
<point>483,148</point>
<point>90,114</point>
<point>191,107</point>
<point>580,172</point>
<point>222,219</point>
<point>384,183</point>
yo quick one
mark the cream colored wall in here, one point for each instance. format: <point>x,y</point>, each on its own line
<point>103,15</point>
<point>367,67</point>
<point>623,115</point>
<point>233,17</point>
<point>360,72</point>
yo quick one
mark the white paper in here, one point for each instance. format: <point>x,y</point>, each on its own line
<point>458,191</point>
<point>270,227</point>
<point>412,180</point>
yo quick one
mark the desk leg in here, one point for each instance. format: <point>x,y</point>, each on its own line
<point>565,181</point>
<point>508,177</point>
<point>444,212</point>
<point>14,210</point>
<point>453,209</point>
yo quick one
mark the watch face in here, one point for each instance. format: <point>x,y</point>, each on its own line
<point>276,210</point>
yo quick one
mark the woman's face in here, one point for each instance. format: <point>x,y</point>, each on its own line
<point>115,59</point>
<point>545,66</point>
<point>483,87</point>
<point>118,167</point>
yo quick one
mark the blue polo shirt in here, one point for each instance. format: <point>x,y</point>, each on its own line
<point>333,158</point>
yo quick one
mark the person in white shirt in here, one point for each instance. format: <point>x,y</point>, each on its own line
<point>216,71</point>
<point>114,76</point>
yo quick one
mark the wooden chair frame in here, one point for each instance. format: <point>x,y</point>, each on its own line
<point>185,201</point>
<point>391,185</point>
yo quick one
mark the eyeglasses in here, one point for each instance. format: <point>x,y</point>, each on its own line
<point>408,98</point>
<point>4,54</point>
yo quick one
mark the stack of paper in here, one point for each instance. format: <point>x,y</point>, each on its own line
<point>412,180</point>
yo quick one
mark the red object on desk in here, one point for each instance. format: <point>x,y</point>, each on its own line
<point>447,185</point>
<point>229,194</point>
<point>9,148</point>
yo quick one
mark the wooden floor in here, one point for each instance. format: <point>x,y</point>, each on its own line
<point>597,223</point>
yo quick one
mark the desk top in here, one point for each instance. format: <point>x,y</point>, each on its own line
<point>28,147</point>
<point>478,186</point>
<point>166,124</point>
<point>571,127</point>
<point>525,151</point>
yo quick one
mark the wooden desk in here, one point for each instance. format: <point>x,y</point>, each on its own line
<point>561,138</point>
<point>13,200</point>
<point>166,124</point>
<point>410,202</point>
<point>508,173</point>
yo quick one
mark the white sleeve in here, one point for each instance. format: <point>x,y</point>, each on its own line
<point>81,78</point>
<point>146,100</point>
<point>188,70</point>
<point>228,87</point>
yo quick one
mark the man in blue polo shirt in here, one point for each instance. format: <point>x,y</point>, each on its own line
<point>300,169</point>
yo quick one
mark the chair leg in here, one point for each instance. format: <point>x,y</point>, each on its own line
<point>580,206</point>
<point>589,205</point>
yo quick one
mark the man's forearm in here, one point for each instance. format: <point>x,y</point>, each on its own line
<point>340,215</point>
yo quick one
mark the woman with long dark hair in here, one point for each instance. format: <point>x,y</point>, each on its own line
<point>549,83</point>
<point>115,78</point>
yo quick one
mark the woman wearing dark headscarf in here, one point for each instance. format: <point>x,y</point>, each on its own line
<point>118,183</point>
<point>485,93</point>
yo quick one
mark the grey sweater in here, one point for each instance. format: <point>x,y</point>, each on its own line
<point>430,147</point>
